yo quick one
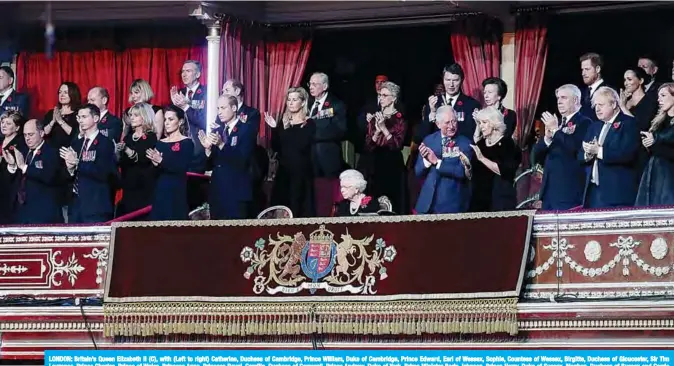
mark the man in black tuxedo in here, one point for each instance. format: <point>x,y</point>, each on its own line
<point>590,68</point>
<point>648,64</point>
<point>463,105</point>
<point>329,115</point>
<point>109,125</point>
<point>251,117</point>
<point>192,99</point>
<point>10,100</point>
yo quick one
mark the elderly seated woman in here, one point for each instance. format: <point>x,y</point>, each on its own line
<point>355,203</point>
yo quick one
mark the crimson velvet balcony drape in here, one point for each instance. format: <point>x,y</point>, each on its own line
<point>476,46</point>
<point>531,52</point>
<point>266,62</point>
<point>103,59</point>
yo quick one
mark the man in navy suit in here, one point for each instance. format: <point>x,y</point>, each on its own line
<point>38,193</point>
<point>230,152</point>
<point>10,100</point>
<point>564,176</point>
<point>91,162</point>
<point>109,125</point>
<point>251,117</point>
<point>609,152</point>
<point>648,64</point>
<point>192,99</point>
<point>329,115</point>
<point>463,105</point>
<point>444,160</point>
<point>590,68</point>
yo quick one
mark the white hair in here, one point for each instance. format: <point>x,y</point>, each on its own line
<point>324,78</point>
<point>574,90</point>
<point>392,87</point>
<point>493,116</point>
<point>353,178</point>
<point>606,92</point>
<point>445,109</point>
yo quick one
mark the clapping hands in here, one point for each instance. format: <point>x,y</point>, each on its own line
<point>69,156</point>
<point>177,98</point>
<point>154,156</point>
<point>428,154</point>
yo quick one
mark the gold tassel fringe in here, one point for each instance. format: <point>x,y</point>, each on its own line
<point>360,318</point>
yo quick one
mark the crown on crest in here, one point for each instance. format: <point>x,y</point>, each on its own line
<point>321,236</point>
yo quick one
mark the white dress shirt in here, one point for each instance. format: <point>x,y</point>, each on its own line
<point>594,86</point>
<point>600,152</point>
<point>6,95</point>
<point>321,102</point>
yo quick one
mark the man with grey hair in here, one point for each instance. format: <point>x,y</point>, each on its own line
<point>609,153</point>
<point>563,178</point>
<point>192,99</point>
<point>329,116</point>
<point>109,125</point>
<point>444,161</point>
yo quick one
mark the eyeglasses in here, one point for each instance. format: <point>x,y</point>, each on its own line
<point>384,95</point>
<point>314,84</point>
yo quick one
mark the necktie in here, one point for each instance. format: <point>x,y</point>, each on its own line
<point>314,110</point>
<point>600,141</point>
<point>445,139</point>
<point>450,100</point>
<point>190,94</point>
<point>563,121</point>
<point>85,147</point>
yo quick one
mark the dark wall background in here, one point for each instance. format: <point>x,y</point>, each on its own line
<point>621,37</point>
<point>412,57</point>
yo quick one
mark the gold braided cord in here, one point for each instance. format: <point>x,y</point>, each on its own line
<point>360,318</point>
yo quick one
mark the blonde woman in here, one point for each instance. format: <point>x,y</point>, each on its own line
<point>141,92</point>
<point>657,181</point>
<point>138,175</point>
<point>496,161</point>
<point>293,140</point>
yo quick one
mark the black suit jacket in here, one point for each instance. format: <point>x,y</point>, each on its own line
<point>110,126</point>
<point>586,101</point>
<point>16,102</point>
<point>330,132</point>
<point>464,108</point>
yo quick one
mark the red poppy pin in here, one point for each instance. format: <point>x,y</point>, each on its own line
<point>399,115</point>
<point>176,147</point>
<point>505,112</point>
<point>616,125</point>
<point>459,103</point>
<point>199,91</point>
<point>365,201</point>
<point>569,124</point>
<point>326,104</point>
<point>9,99</point>
<point>234,129</point>
<point>105,119</point>
<point>451,143</point>
<point>144,137</point>
<point>37,152</point>
<point>11,148</point>
<point>95,142</point>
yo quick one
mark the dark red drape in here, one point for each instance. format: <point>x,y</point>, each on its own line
<point>104,65</point>
<point>531,52</point>
<point>267,63</point>
<point>476,46</point>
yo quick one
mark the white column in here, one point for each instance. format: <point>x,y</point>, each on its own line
<point>213,64</point>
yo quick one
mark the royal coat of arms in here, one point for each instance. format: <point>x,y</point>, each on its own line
<point>291,264</point>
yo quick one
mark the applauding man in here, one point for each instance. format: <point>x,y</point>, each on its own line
<point>564,177</point>
<point>91,163</point>
<point>444,160</point>
<point>230,153</point>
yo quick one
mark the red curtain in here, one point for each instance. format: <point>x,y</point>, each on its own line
<point>476,46</point>
<point>531,52</point>
<point>267,63</point>
<point>103,66</point>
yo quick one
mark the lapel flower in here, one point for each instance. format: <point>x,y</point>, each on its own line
<point>9,99</point>
<point>11,147</point>
<point>176,147</point>
<point>365,201</point>
<point>144,137</point>
<point>95,142</point>
<point>326,104</point>
<point>37,153</point>
<point>451,143</point>
<point>105,119</point>
<point>234,129</point>
<point>459,103</point>
<point>505,112</point>
<point>616,125</point>
<point>199,90</point>
<point>569,124</point>
<point>399,115</point>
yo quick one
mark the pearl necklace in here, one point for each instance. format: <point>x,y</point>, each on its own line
<point>357,206</point>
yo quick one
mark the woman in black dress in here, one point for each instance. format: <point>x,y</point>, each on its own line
<point>494,90</point>
<point>495,164</point>
<point>137,173</point>
<point>657,181</point>
<point>352,185</point>
<point>382,162</point>
<point>60,124</point>
<point>293,140</point>
<point>12,140</point>
<point>141,92</point>
<point>171,156</point>
<point>635,102</point>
